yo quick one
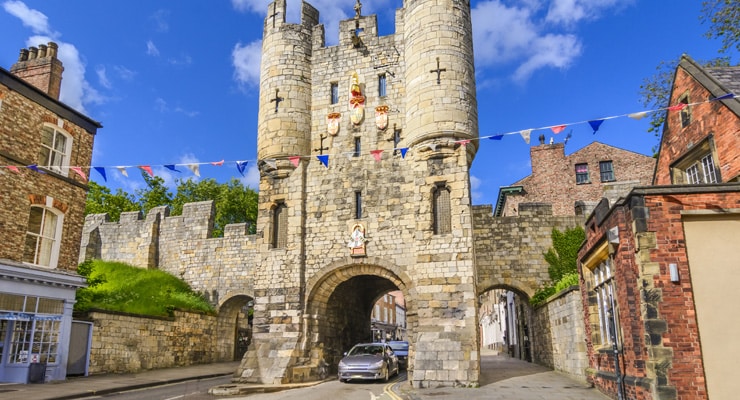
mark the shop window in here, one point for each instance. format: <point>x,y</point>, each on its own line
<point>606,170</point>
<point>42,237</point>
<point>603,276</point>
<point>56,147</point>
<point>582,174</point>
<point>441,209</point>
<point>279,226</point>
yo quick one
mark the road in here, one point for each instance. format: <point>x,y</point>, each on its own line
<point>198,390</point>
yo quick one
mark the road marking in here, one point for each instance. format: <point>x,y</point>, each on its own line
<point>387,389</point>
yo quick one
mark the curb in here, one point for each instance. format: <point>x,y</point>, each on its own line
<point>235,389</point>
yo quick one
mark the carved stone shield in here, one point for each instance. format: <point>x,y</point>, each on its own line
<point>357,114</point>
<point>381,117</point>
<point>332,123</point>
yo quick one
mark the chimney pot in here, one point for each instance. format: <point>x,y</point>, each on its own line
<point>52,50</point>
<point>23,56</point>
<point>32,53</point>
<point>42,51</point>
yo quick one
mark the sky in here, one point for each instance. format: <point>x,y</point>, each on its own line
<point>177,82</point>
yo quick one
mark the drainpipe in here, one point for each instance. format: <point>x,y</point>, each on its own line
<point>615,349</point>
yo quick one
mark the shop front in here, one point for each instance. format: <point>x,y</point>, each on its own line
<point>35,322</point>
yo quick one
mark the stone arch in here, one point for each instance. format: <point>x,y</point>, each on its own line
<point>339,303</point>
<point>234,328</point>
<point>519,314</point>
<point>514,285</point>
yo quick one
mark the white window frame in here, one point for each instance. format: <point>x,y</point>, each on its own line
<point>52,234</point>
<point>56,160</point>
<point>702,171</point>
<point>603,276</point>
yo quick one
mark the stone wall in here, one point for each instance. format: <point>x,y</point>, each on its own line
<point>559,336</point>
<point>126,343</point>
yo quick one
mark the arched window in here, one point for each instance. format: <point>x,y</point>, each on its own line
<point>279,226</point>
<point>43,235</point>
<point>56,147</point>
<point>441,212</point>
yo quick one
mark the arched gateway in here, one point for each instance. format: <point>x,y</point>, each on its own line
<point>365,150</point>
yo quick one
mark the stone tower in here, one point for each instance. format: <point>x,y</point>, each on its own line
<point>365,149</point>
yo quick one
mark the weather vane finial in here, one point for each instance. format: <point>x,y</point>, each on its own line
<point>358,9</point>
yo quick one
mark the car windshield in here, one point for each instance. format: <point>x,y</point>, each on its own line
<point>399,346</point>
<point>360,350</point>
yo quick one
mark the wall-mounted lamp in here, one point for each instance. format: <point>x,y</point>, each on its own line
<point>673,268</point>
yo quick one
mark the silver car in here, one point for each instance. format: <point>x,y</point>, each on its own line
<point>368,361</point>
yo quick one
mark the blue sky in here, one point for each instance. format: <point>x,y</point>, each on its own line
<point>176,82</point>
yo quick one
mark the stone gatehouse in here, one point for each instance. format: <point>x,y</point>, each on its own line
<point>365,150</point>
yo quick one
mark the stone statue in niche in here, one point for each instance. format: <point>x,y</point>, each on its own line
<point>356,100</point>
<point>357,241</point>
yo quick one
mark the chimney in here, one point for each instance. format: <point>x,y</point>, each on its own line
<point>40,67</point>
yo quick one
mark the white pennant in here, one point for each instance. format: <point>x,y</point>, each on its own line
<point>525,135</point>
<point>123,171</point>
<point>195,168</point>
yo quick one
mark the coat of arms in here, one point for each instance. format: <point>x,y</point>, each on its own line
<point>356,100</point>
<point>381,117</point>
<point>332,123</point>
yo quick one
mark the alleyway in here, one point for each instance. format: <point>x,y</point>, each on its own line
<point>507,378</point>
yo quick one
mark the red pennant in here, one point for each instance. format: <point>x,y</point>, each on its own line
<point>464,142</point>
<point>377,154</point>
<point>558,129</point>
<point>79,172</point>
<point>295,160</point>
<point>14,169</point>
<point>677,107</point>
<point>147,169</point>
<point>217,163</point>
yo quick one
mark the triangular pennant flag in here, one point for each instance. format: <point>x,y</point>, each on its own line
<point>217,163</point>
<point>677,107</point>
<point>146,169</point>
<point>79,172</point>
<point>432,146</point>
<point>35,168</point>
<point>295,160</point>
<point>13,168</point>
<point>349,154</point>
<point>101,171</point>
<point>464,143</point>
<point>324,158</point>
<point>123,171</point>
<point>557,129</point>
<point>496,137</point>
<point>723,97</point>
<point>271,163</point>
<point>171,167</point>
<point>595,124</point>
<point>377,154</point>
<point>403,151</point>
<point>241,166</point>
<point>638,115</point>
<point>195,168</point>
<point>525,135</point>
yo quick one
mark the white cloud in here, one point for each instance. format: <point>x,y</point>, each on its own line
<point>549,51</point>
<point>34,19</point>
<point>160,18</point>
<point>251,177</point>
<point>151,49</point>
<point>246,61</point>
<point>124,73</point>
<point>475,184</point>
<point>569,12</point>
<point>103,77</point>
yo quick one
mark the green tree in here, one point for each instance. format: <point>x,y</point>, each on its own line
<point>156,193</point>
<point>723,16</point>
<point>562,257</point>
<point>100,200</point>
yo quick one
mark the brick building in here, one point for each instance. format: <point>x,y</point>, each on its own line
<point>658,268</point>
<point>42,214</point>
<point>575,183</point>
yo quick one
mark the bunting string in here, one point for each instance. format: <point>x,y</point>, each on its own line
<point>241,165</point>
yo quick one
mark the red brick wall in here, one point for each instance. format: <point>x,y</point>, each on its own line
<point>553,178</point>
<point>20,141</point>
<point>706,118</point>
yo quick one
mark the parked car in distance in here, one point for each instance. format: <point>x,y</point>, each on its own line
<point>401,349</point>
<point>368,361</point>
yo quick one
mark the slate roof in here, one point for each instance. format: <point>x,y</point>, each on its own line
<point>728,77</point>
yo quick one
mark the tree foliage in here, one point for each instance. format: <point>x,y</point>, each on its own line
<point>723,16</point>
<point>233,202</point>
<point>100,200</point>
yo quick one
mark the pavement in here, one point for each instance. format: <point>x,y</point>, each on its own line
<point>502,377</point>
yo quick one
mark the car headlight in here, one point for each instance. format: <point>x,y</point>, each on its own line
<point>379,364</point>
